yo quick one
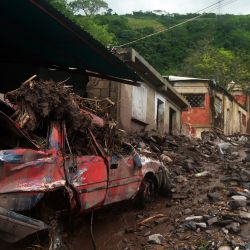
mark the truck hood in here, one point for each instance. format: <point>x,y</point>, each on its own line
<point>27,170</point>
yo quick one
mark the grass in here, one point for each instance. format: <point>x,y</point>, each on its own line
<point>136,23</point>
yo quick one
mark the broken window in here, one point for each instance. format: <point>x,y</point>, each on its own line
<point>139,104</point>
<point>196,100</point>
<point>218,105</point>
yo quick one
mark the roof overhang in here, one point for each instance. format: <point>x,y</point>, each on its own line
<point>149,74</point>
<point>33,32</point>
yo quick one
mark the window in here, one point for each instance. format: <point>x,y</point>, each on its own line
<point>195,100</point>
<point>139,104</point>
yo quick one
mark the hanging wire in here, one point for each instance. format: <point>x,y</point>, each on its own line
<point>217,4</point>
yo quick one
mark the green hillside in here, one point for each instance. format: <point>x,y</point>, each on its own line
<point>139,23</point>
<point>213,46</point>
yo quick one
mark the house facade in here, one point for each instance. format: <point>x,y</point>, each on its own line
<point>211,107</point>
<point>154,105</point>
<point>242,98</point>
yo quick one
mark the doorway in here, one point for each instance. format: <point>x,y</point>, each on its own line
<point>172,120</point>
<point>160,115</point>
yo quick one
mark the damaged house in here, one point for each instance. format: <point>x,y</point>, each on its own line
<point>242,98</point>
<point>212,107</point>
<point>154,105</point>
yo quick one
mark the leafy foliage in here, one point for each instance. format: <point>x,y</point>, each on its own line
<point>89,7</point>
<point>97,30</point>
<point>213,46</point>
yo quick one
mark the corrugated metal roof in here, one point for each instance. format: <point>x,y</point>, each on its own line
<point>181,78</point>
<point>33,32</point>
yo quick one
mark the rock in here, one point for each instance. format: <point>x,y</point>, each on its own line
<point>245,175</point>
<point>203,174</point>
<point>181,179</point>
<point>190,165</point>
<point>130,230</point>
<point>244,215</point>
<point>234,227</point>
<point>157,239</point>
<point>214,197</point>
<point>142,145</point>
<point>190,225</point>
<point>224,230</point>
<point>212,221</point>
<point>201,225</point>
<point>247,246</point>
<point>194,218</point>
<point>187,211</point>
<point>224,147</point>
<point>147,234</point>
<point>179,196</point>
<point>161,221</point>
<point>235,154</point>
<point>139,216</point>
<point>224,248</point>
<point>165,158</point>
<point>225,222</point>
<point>238,201</point>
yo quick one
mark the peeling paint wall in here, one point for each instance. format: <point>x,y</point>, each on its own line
<point>220,111</point>
<point>125,113</point>
<point>196,119</point>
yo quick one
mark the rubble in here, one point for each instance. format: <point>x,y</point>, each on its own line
<point>238,201</point>
<point>157,239</point>
<point>210,199</point>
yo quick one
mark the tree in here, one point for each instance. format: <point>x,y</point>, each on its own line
<point>98,31</point>
<point>89,7</point>
<point>62,6</point>
<point>216,63</point>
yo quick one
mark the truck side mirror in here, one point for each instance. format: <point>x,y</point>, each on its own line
<point>114,162</point>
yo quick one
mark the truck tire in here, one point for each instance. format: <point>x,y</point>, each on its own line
<point>164,180</point>
<point>147,191</point>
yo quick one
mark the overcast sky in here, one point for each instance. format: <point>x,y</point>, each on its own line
<point>178,6</point>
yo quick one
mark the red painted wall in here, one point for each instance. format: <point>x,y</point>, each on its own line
<point>198,116</point>
<point>241,99</point>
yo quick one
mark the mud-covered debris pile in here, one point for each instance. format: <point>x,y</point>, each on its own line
<point>39,100</point>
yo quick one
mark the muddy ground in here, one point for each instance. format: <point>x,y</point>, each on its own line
<point>208,196</point>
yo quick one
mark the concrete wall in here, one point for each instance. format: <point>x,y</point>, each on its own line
<point>124,112</point>
<point>233,118</point>
<point>196,119</point>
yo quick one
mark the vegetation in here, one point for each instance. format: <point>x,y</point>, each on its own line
<point>213,46</point>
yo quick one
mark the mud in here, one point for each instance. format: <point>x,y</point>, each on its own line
<point>117,227</point>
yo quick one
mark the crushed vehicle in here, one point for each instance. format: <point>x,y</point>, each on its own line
<point>52,179</point>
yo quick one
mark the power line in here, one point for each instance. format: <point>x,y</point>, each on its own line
<point>179,24</point>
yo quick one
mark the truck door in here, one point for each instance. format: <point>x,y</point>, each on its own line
<point>124,177</point>
<point>89,179</point>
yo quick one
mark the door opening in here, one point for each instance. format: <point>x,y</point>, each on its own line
<point>172,121</point>
<point>160,115</point>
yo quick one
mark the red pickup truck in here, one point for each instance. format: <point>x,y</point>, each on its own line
<point>34,179</point>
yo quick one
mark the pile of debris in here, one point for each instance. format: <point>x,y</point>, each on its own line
<point>38,102</point>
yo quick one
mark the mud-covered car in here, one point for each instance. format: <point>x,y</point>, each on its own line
<point>34,181</point>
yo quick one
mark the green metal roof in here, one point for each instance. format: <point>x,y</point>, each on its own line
<point>34,32</point>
